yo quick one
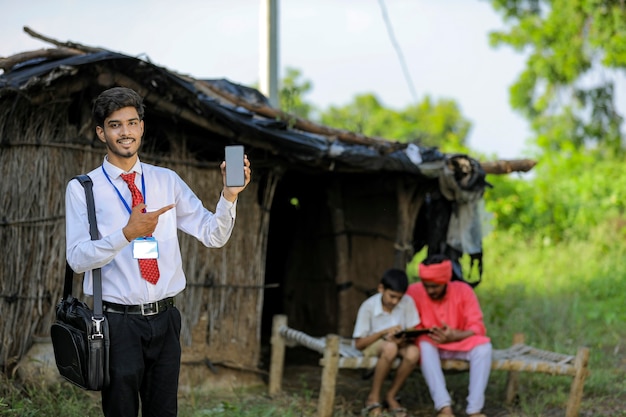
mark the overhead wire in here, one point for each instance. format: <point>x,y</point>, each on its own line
<point>396,45</point>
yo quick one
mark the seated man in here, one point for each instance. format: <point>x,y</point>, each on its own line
<point>379,318</point>
<point>451,309</point>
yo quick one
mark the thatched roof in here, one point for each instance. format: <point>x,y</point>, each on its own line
<point>237,113</point>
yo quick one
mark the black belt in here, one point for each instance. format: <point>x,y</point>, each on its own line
<point>148,309</point>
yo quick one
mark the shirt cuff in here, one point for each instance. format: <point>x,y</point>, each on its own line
<point>118,241</point>
<point>224,205</point>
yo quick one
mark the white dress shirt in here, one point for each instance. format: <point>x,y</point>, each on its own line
<point>121,280</point>
<point>371,317</point>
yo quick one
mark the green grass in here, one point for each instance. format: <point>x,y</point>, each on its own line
<point>54,400</point>
<point>561,296</point>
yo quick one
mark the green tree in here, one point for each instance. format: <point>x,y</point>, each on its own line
<point>575,48</point>
<point>570,195</point>
<point>291,94</point>
<point>427,123</point>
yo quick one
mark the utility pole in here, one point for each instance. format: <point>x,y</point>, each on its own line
<point>268,50</point>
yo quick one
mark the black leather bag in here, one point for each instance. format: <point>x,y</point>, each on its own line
<point>81,345</point>
<point>80,335</point>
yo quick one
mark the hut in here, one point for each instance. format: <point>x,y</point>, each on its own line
<point>327,211</point>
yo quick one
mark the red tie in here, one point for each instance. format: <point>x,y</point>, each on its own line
<point>148,267</point>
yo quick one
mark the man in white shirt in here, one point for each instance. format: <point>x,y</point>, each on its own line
<point>378,321</point>
<point>139,208</point>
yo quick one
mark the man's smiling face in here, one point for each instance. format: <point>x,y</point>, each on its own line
<point>122,133</point>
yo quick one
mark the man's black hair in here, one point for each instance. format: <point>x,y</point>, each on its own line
<point>395,280</point>
<point>435,259</point>
<point>114,99</point>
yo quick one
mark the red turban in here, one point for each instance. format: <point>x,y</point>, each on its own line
<point>440,273</point>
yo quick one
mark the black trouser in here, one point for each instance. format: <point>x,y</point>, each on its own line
<point>144,358</point>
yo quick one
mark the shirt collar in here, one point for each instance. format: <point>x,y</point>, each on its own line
<point>378,305</point>
<point>115,172</point>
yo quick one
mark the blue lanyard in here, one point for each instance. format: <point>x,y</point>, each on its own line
<point>143,189</point>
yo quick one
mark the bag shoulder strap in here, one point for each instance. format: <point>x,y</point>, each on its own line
<point>87,184</point>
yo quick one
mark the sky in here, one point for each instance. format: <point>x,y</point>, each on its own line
<point>341,46</point>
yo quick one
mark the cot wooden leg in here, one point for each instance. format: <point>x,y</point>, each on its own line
<point>576,391</point>
<point>326,399</point>
<point>513,378</point>
<point>277,360</point>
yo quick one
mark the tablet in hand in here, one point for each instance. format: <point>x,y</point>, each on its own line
<point>412,332</point>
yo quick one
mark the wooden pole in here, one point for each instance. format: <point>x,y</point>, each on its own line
<point>513,378</point>
<point>576,391</point>
<point>277,360</point>
<point>268,48</point>
<point>383,146</point>
<point>345,300</point>
<point>326,399</point>
<point>410,199</point>
<point>70,45</point>
<point>506,167</point>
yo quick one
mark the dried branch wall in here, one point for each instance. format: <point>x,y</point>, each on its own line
<point>33,172</point>
<point>40,151</point>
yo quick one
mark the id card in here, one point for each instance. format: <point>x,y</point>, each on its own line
<point>145,248</point>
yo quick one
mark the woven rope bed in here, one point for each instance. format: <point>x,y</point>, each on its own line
<point>338,353</point>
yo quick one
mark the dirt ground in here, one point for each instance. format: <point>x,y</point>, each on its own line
<point>303,375</point>
<point>352,389</point>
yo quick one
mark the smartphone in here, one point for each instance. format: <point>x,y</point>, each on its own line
<point>233,155</point>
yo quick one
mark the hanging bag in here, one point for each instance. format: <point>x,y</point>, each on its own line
<point>80,335</point>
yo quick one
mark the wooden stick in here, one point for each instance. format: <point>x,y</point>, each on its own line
<point>506,167</point>
<point>71,45</point>
<point>384,145</point>
<point>277,360</point>
<point>9,62</point>
<point>576,391</point>
<point>513,377</point>
<point>326,401</point>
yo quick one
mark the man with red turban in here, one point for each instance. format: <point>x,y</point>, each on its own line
<point>451,310</point>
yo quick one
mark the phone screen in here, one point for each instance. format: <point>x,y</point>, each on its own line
<point>234,166</point>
